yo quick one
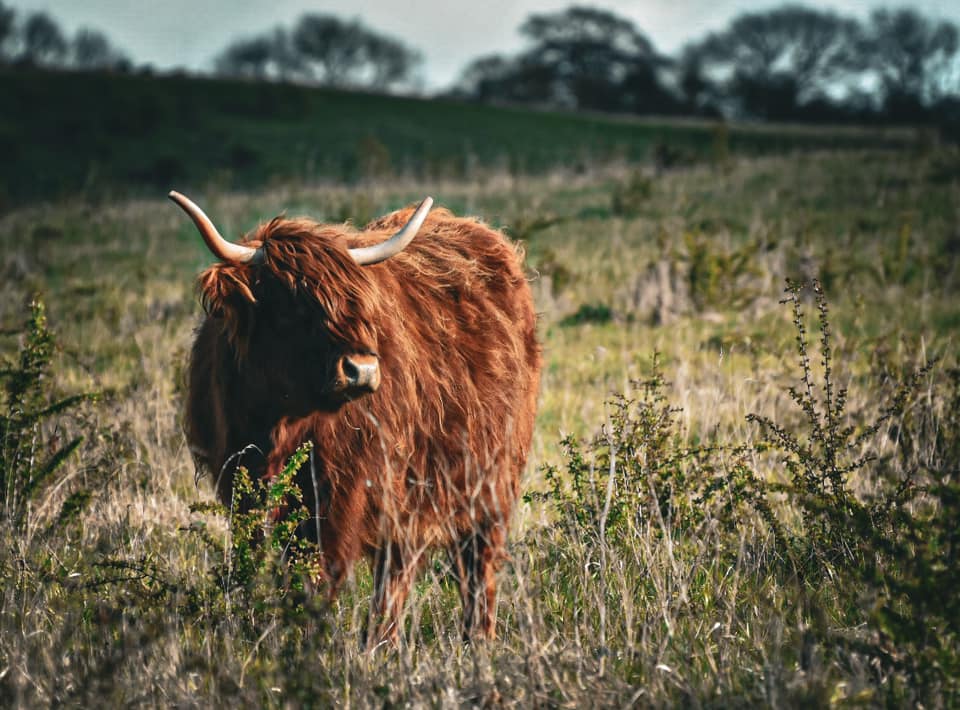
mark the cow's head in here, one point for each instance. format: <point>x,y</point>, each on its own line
<point>299,309</point>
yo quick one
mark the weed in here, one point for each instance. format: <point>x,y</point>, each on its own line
<point>265,554</point>
<point>822,461</point>
<point>638,469</point>
<point>31,446</point>
<point>631,197</point>
<point>720,276</point>
<point>896,543</point>
<point>589,313</point>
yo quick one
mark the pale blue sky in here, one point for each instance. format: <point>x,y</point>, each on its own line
<point>188,33</point>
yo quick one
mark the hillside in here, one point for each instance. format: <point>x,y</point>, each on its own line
<point>115,135</point>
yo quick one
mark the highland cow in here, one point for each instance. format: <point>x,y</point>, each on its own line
<point>407,354</point>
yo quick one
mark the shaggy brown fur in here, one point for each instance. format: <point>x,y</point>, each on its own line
<point>432,458</point>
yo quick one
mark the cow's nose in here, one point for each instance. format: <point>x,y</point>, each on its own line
<point>361,373</point>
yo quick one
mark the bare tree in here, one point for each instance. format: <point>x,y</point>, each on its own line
<point>390,61</point>
<point>246,58</point>
<point>324,49</point>
<point>332,48</point>
<point>8,18</point>
<point>595,56</point>
<point>700,95</point>
<point>43,41</point>
<point>343,53</point>
<point>578,58</point>
<point>287,63</point>
<point>267,56</point>
<point>499,79</point>
<point>484,77</point>
<point>772,62</point>
<point>913,56</point>
<point>92,50</point>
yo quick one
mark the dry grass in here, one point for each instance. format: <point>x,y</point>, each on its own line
<point>695,610</point>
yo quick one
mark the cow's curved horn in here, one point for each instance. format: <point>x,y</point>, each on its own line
<point>395,244</point>
<point>221,248</point>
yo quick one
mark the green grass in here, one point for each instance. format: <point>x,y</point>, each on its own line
<point>104,136</point>
<point>685,597</point>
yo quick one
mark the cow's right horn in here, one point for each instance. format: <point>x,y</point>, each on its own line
<point>221,248</point>
<point>395,244</point>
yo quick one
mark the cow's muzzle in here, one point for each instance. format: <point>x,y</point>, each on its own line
<point>357,374</point>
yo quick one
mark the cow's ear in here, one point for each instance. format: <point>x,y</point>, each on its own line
<point>227,296</point>
<point>222,288</point>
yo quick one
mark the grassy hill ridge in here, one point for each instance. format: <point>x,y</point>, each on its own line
<point>68,133</point>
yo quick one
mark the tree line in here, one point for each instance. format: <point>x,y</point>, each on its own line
<point>323,49</point>
<point>787,63</point>
<point>38,41</point>
<point>319,49</point>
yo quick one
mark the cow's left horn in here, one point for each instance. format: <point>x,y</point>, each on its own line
<point>221,248</point>
<point>395,244</point>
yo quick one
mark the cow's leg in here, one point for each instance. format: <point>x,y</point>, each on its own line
<point>393,574</point>
<point>476,559</point>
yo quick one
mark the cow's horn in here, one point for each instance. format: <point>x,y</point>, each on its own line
<point>221,248</point>
<point>395,244</point>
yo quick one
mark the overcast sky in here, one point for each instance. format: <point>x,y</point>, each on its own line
<point>188,33</point>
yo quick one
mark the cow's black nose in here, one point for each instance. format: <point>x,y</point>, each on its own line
<point>361,373</point>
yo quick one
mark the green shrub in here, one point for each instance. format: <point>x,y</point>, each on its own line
<point>265,556</point>
<point>895,545</point>
<point>639,469</point>
<point>30,434</point>
<point>589,313</point>
<point>822,458</point>
<point>631,197</point>
<point>717,277</point>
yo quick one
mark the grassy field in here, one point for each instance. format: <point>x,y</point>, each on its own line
<point>106,136</point>
<point>692,532</point>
